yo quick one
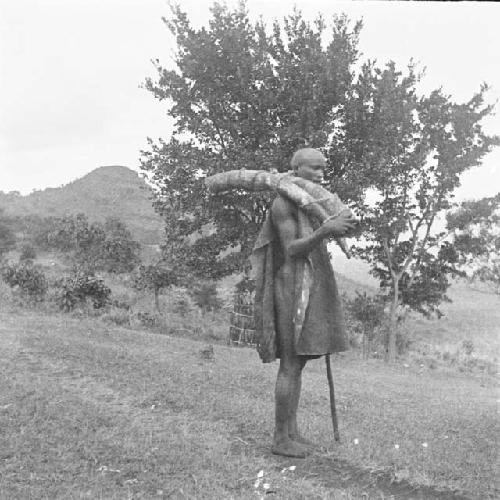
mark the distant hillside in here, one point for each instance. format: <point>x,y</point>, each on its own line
<point>112,191</point>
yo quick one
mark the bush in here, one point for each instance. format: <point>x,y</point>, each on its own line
<point>117,316</point>
<point>205,296</point>
<point>120,304</point>
<point>180,301</point>
<point>27,278</point>
<point>27,253</point>
<point>154,277</point>
<point>468,347</point>
<point>7,235</point>
<point>365,320</point>
<point>147,319</point>
<point>403,342</point>
<point>79,288</point>
<point>119,252</point>
<point>109,247</point>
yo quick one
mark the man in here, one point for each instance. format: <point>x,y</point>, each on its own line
<point>306,320</point>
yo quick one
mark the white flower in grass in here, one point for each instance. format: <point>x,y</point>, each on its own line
<point>292,467</point>
<point>266,486</point>
<point>260,473</point>
<point>356,441</point>
<point>396,446</point>
<point>424,445</point>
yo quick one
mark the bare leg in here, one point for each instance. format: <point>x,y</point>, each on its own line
<point>293,431</point>
<point>287,395</point>
<point>288,383</point>
<point>294,405</point>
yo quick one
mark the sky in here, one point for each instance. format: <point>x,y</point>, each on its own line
<point>71,96</point>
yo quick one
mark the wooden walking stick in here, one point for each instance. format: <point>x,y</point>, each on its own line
<point>333,409</point>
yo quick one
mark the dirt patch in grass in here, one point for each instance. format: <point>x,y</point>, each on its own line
<point>93,411</point>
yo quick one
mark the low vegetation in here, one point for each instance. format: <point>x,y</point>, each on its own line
<point>93,410</point>
<point>117,382</point>
<point>94,403</point>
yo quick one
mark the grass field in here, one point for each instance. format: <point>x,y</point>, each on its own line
<point>473,315</point>
<point>89,410</point>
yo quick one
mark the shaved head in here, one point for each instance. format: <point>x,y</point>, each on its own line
<point>305,155</point>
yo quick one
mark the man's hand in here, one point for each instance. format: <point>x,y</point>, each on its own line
<point>339,226</point>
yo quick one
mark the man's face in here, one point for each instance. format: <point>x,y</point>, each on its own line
<point>312,169</point>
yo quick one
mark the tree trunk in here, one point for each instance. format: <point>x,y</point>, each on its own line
<point>391,341</point>
<point>157,298</point>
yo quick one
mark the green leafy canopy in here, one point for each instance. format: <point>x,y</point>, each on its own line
<point>242,97</point>
<point>245,95</point>
<point>475,226</point>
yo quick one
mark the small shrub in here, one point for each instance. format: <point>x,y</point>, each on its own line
<point>5,294</point>
<point>27,253</point>
<point>365,321</point>
<point>120,304</point>
<point>27,278</point>
<point>181,302</point>
<point>403,342</point>
<point>468,347</point>
<point>245,285</point>
<point>205,296</point>
<point>147,319</point>
<point>213,334</point>
<point>79,287</point>
<point>154,277</point>
<point>117,316</point>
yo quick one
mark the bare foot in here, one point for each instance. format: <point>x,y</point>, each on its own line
<point>289,448</point>
<point>302,440</point>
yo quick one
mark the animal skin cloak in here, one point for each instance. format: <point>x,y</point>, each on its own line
<point>318,321</point>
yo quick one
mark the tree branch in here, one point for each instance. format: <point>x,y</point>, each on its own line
<point>385,245</point>
<point>424,240</point>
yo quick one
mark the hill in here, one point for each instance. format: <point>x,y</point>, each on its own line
<point>111,191</point>
<point>118,191</point>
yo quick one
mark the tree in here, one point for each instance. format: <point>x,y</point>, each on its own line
<point>368,313</point>
<point>155,277</point>
<point>119,252</point>
<point>241,98</point>
<point>79,287</point>
<point>7,236</point>
<point>109,247</point>
<point>244,98</point>
<point>27,278</point>
<point>476,229</point>
<point>413,151</point>
<point>74,235</point>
